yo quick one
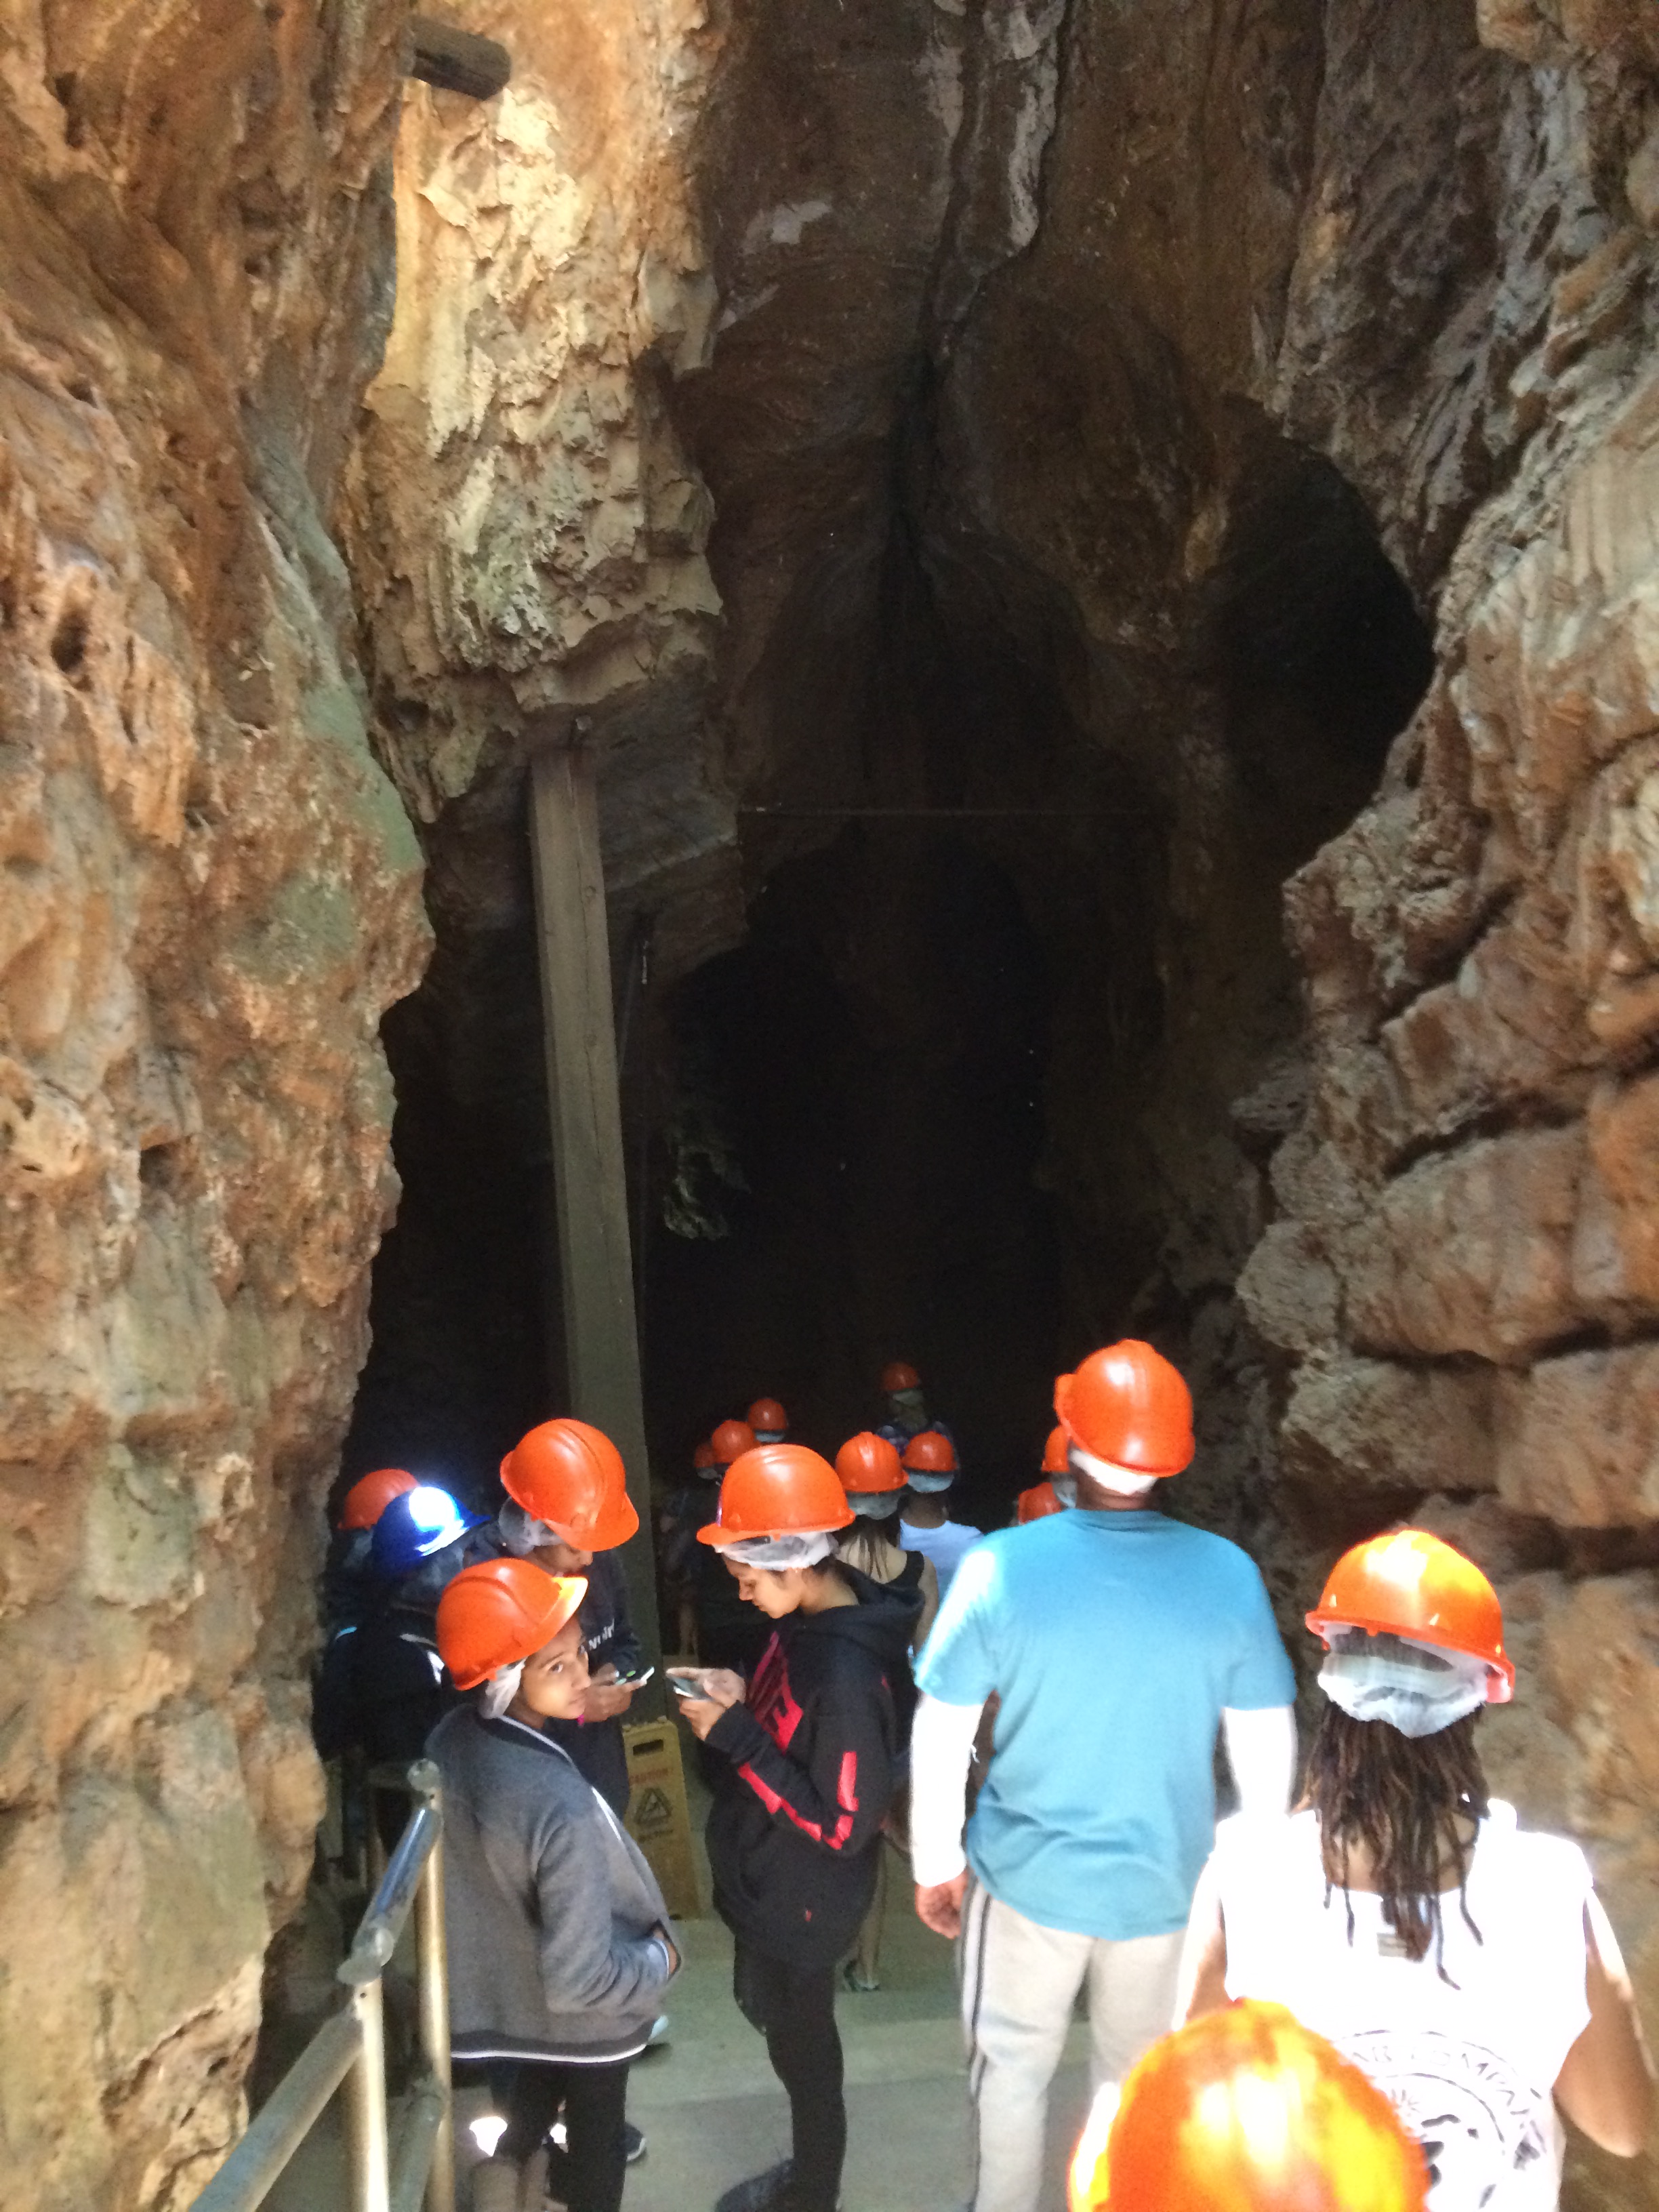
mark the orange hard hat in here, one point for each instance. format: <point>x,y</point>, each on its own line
<point>571,1476</point>
<point>1126,1405</point>
<point>778,1490</point>
<point>897,1377</point>
<point>868,1463</point>
<point>931,1454</point>
<point>1412,1584</point>
<point>370,1495</point>
<point>705,1455</point>
<point>1036,1502</point>
<point>494,1615</point>
<point>1245,2110</point>
<point>767,1413</point>
<point>731,1441</point>
<point>1055,1459</point>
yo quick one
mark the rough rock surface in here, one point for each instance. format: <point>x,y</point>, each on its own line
<point>526,535</point>
<point>1473,1188</point>
<point>1137,443</point>
<point>207,894</point>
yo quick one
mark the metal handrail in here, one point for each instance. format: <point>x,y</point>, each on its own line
<point>349,2047</point>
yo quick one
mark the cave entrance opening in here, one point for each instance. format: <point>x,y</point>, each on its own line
<point>995,1073</point>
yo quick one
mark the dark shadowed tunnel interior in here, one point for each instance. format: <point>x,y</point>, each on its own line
<point>964,1092</point>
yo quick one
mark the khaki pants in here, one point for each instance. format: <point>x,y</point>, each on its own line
<point>1019,1983</point>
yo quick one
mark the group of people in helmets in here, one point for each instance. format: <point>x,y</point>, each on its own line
<point>1381,1998</point>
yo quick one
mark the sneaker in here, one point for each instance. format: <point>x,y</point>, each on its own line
<point>634,2139</point>
<point>854,1980</point>
<point>659,2034</point>
<point>771,2191</point>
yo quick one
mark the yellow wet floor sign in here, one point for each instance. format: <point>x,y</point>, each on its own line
<point>659,1817</point>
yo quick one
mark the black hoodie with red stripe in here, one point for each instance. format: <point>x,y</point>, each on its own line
<point>814,1755</point>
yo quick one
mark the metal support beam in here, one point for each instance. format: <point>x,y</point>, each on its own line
<point>602,1353</point>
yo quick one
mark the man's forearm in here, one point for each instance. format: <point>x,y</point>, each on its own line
<point>941,1752</point>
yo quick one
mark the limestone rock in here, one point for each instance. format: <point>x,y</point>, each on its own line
<point>211,895</point>
<point>528,535</point>
<point>1357,1426</point>
<point>1577,1438</point>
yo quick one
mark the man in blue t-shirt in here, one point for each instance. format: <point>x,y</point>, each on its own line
<point>1117,1643</point>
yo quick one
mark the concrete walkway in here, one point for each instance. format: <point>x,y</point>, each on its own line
<point>714,2113</point>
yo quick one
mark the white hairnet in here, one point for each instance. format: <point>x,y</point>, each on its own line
<point>780,1552</point>
<point>1121,1481</point>
<point>521,1533</point>
<point>1418,1688</point>
<point>500,1690</point>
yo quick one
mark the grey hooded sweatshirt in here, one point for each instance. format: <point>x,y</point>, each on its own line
<point>549,1905</point>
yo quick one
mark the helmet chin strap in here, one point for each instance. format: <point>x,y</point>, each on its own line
<point>1121,1481</point>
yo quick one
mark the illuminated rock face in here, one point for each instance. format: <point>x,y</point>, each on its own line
<point>208,893</point>
<point>1034,409</point>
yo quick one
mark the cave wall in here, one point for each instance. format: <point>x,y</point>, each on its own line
<point>208,893</point>
<point>1461,1270</point>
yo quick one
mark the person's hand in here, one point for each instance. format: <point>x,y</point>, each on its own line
<point>700,1714</point>
<point>722,1684</point>
<point>939,1904</point>
<point>606,1698</point>
<point>721,1689</point>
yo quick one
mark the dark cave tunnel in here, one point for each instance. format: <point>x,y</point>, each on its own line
<point>927,1109</point>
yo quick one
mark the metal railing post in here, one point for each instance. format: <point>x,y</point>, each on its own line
<point>365,2106</point>
<point>349,2050</point>
<point>433,1954</point>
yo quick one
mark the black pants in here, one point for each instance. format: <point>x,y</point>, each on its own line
<point>529,2094</point>
<point>794,2008</point>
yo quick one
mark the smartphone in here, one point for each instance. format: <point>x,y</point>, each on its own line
<point>684,1688</point>
<point>634,1682</point>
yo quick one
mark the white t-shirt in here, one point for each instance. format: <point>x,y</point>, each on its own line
<point>1470,2063</point>
<point>945,1546</point>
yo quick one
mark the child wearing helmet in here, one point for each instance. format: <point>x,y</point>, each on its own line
<point>730,1632</point>
<point>347,1586</point>
<point>559,1942</point>
<point>907,1406</point>
<point>807,1753</point>
<point>873,1478</point>
<point>568,1511</point>
<point>381,1686</point>
<point>1464,1963</point>
<point>929,1460</point>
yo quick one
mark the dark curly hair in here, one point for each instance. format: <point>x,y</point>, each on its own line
<point>1402,1798</point>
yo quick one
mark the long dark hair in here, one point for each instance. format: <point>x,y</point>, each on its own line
<point>1402,1798</point>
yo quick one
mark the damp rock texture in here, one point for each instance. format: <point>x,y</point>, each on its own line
<point>207,894</point>
<point>1463,1265</point>
<point>526,533</point>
